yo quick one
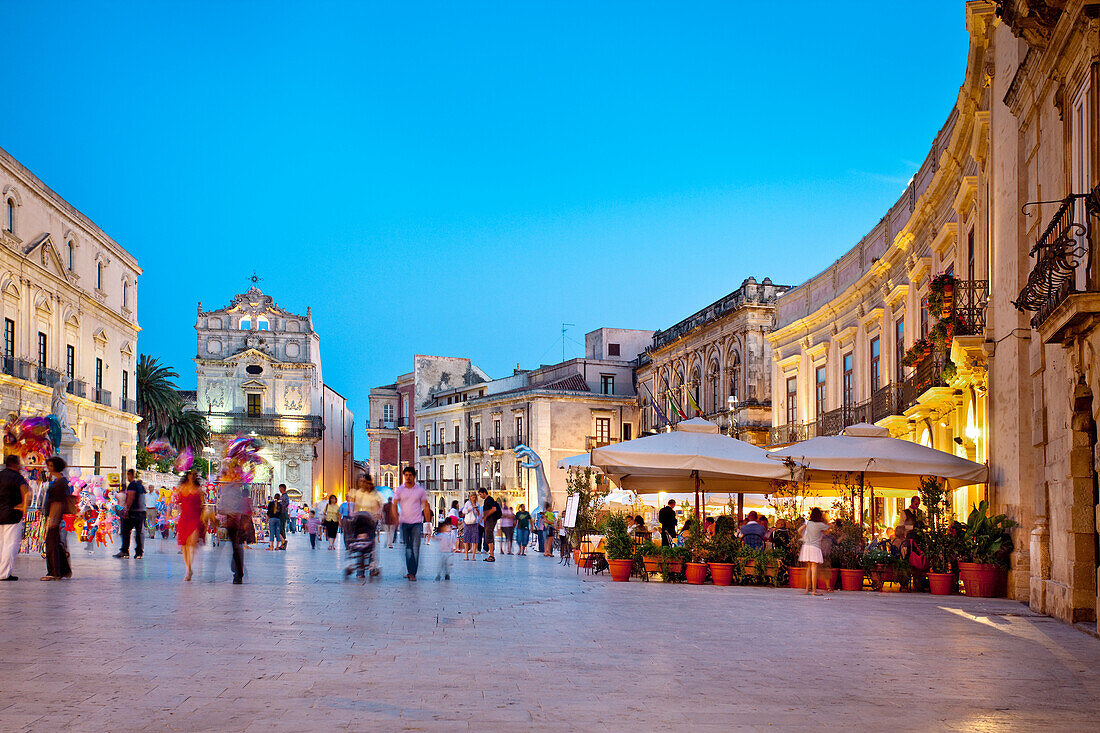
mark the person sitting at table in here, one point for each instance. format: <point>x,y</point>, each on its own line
<point>753,532</point>
<point>763,522</point>
<point>708,526</point>
<point>898,540</point>
<point>638,529</point>
<point>685,531</point>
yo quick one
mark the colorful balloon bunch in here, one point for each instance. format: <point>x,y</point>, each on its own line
<point>242,456</point>
<point>184,461</point>
<point>161,448</point>
<point>28,436</point>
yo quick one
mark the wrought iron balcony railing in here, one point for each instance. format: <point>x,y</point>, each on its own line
<point>473,445</point>
<point>77,387</point>
<point>129,406</point>
<point>437,449</point>
<point>102,397</point>
<point>968,306</point>
<point>308,427</point>
<point>424,451</point>
<point>45,377</point>
<point>516,440</point>
<point>598,441</point>
<point>14,367</point>
<point>453,447</point>
<point>1060,249</point>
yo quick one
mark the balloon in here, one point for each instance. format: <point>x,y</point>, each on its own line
<point>184,461</point>
<point>54,431</point>
<point>161,448</point>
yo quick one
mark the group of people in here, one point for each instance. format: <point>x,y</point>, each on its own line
<point>15,500</point>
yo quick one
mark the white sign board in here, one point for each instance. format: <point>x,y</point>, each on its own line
<point>571,506</point>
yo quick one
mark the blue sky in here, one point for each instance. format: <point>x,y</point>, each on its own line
<point>461,178</point>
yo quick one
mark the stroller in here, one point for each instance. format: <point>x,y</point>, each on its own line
<point>360,536</point>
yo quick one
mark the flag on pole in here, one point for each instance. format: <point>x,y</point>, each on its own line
<point>656,408</point>
<point>694,404</point>
<point>673,405</point>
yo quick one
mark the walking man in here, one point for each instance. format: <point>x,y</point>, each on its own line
<point>284,514</point>
<point>412,507</point>
<point>667,519</point>
<point>15,495</point>
<point>134,519</point>
<point>389,522</point>
<point>490,512</point>
<point>274,521</point>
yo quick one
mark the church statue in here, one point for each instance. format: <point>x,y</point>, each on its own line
<point>60,404</point>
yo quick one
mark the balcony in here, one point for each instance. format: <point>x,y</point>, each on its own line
<point>14,367</point>
<point>102,397</point>
<point>516,440</point>
<point>968,306</point>
<point>129,406</point>
<point>45,377</point>
<point>429,485</point>
<point>402,422</point>
<point>473,445</point>
<point>437,449</point>
<point>309,427</point>
<point>424,451</point>
<point>77,388</point>
<point>1059,250</point>
<point>494,444</point>
<point>453,447</point>
<point>385,425</point>
<point>792,433</point>
<point>598,441</point>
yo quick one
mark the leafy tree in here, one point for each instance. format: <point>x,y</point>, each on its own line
<point>590,498</point>
<point>184,429</point>
<point>156,396</point>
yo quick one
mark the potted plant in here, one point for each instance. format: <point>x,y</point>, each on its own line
<point>619,547</point>
<point>591,494</point>
<point>722,551</point>
<point>986,546</point>
<point>769,564</point>
<point>651,557</point>
<point>696,570</point>
<point>880,566</point>
<point>847,557</point>
<point>934,537</point>
<point>941,295</point>
<point>672,561</point>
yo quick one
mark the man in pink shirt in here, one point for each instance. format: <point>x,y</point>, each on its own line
<point>412,507</point>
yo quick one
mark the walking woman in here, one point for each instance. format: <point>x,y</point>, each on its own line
<point>55,505</point>
<point>523,529</point>
<point>332,520</point>
<point>190,526</point>
<point>812,532</point>
<point>507,524</point>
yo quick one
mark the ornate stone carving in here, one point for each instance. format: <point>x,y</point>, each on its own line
<point>215,394</point>
<point>292,397</point>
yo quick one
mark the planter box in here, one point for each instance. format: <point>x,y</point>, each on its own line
<point>880,575</point>
<point>721,573</point>
<point>620,569</point>
<point>942,584</point>
<point>833,576</point>
<point>851,580</point>
<point>696,573</point>
<point>651,564</point>
<point>675,566</point>
<point>797,578</point>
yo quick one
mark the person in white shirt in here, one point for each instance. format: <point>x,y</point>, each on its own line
<point>445,541</point>
<point>469,526</point>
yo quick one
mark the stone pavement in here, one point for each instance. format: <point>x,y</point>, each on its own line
<point>522,644</point>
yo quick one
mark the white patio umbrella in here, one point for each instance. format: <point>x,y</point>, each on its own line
<point>582,460</point>
<point>694,455</point>
<point>885,462</point>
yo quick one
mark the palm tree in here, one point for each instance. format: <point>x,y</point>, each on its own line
<point>185,429</point>
<point>156,395</point>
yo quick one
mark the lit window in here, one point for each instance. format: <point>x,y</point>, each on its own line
<point>254,408</point>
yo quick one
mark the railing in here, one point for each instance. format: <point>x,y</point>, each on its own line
<point>495,444</point>
<point>76,387</point>
<point>102,396</point>
<point>385,424</point>
<point>402,422</point>
<point>516,440</point>
<point>437,449</point>
<point>429,485</point>
<point>452,447</point>
<point>129,406</point>
<point>968,306</point>
<point>594,441</point>
<point>473,445</point>
<point>46,377</point>
<point>424,451</point>
<point>275,425</point>
<point>1057,254</point>
<point>792,433</point>
<point>14,367</point>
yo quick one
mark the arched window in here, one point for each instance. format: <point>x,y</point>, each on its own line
<point>99,276</point>
<point>735,376</point>
<point>69,262</point>
<point>262,324</point>
<point>246,324</point>
<point>715,388</point>
<point>10,221</point>
<point>387,479</point>
<point>125,295</point>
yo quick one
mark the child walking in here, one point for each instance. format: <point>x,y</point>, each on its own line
<point>445,539</point>
<point>312,525</point>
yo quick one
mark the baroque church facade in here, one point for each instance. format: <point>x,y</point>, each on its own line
<point>258,372</point>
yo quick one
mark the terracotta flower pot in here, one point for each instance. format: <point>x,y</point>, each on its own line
<point>830,574</point>
<point>620,569</point>
<point>983,581</point>
<point>772,569</point>
<point>750,569</point>
<point>797,578</point>
<point>851,579</point>
<point>721,573</point>
<point>652,564</point>
<point>696,573</point>
<point>675,566</point>
<point>942,584</point>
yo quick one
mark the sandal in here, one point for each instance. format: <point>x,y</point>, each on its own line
<point>48,577</point>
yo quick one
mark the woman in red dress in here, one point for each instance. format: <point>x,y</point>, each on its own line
<point>189,526</point>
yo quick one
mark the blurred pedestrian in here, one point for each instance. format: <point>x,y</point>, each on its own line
<point>332,520</point>
<point>274,520</point>
<point>389,522</point>
<point>312,524</point>
<point>56,504</point>
<point>507,525</point>
<point>523,529</point>
<point>445,542</point>
<point>189,526</point>
<point>133,517</point>
<point>15,497</point>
